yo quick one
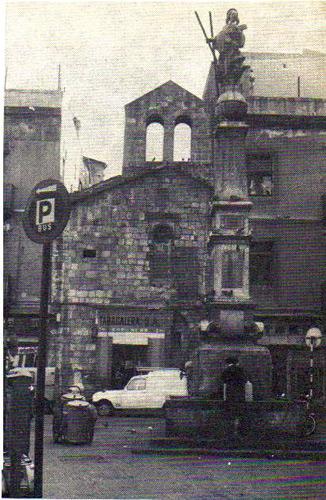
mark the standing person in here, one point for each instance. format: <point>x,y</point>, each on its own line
<point>187,372</point>
<point>234,380</point>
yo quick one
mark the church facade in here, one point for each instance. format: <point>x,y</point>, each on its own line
<point>133,275</point>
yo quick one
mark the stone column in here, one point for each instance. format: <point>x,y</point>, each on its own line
<point>168,142</point>
<point>230,158</point>
<point>104,360</point>
<point>231,309</point>
<point>229,238</point>
<point>155,354</point>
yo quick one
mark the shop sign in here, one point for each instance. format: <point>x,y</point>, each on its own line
<point>108,321</point>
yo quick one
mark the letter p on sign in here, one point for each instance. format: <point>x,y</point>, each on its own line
<point>45,211</point>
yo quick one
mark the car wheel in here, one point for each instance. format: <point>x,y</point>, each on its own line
<point>309,426</point>
<point>105,408</point>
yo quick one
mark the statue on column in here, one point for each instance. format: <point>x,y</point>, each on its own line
<point>229,66</point>
<point>228,43</point>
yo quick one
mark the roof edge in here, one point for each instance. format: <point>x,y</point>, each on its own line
<point>120,180</point>
<point>169,82</point>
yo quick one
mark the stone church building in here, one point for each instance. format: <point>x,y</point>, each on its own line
<point>133,277</point>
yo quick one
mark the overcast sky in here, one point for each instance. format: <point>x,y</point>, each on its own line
<point>113,52</point>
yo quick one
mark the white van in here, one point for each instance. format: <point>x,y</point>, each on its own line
<point>142,392</point>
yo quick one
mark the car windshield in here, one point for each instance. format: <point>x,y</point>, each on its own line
<point>137,384</point>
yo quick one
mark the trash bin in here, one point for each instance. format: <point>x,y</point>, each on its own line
<point>78,421</point>
<point>58,412</point>
<point>25,476</point>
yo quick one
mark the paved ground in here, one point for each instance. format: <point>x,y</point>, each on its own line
<point>108,469</point>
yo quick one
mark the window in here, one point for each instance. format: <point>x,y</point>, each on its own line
<point>160,253</point>
<point>154,142</point>
<point>259,175</point>
<point>178,266</point>
<point>89,253</point>
<point>182,142</point>
<point>137,384</point>
<point>260,263</point>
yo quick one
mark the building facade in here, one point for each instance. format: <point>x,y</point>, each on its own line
<point>134,273</point>
<point>32,130</point>
<point>36,147</point>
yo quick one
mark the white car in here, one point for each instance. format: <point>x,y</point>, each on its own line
<point>142,392</point>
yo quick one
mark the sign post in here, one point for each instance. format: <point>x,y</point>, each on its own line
<point>46,215</point>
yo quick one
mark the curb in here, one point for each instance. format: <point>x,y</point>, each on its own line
<point>271,454</point>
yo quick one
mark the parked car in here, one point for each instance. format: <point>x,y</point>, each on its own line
<point>148,391</point>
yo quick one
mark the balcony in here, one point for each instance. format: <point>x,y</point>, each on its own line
<point>8,200</point>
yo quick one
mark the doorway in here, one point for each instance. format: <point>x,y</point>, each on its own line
<point>125,360</point>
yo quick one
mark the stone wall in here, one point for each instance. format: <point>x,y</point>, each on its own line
<point>103,264</point>
<point>261,422</point>
<point>169,105</point>
<point>117,224</point>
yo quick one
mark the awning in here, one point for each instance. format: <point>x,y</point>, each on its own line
<point>132,338</point>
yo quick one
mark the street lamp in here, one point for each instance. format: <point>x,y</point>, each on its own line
<point>313,339</point>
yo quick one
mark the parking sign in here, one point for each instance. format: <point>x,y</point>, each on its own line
<point>47,211</point>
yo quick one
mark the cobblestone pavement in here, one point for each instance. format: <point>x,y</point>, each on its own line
<point>108,469</point>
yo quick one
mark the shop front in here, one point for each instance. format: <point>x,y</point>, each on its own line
<point>128,341</point>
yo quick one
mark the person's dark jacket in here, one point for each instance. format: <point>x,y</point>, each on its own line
<point>235,379</point>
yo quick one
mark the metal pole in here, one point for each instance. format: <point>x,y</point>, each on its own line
<point>311,371</point>
<point>41,364</point>
<point>211,49</point>
<point>211,24</point>
<point>299,86</point>
<point>59,77</point>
